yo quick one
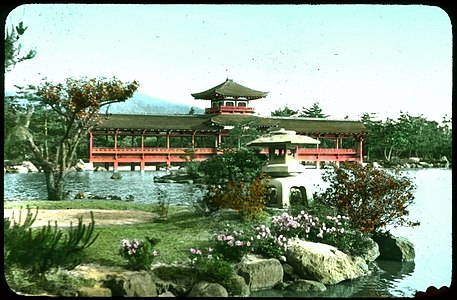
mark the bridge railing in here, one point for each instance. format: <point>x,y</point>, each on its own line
<point>162,150</point>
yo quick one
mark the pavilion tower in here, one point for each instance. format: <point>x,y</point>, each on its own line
<point>230,97</point>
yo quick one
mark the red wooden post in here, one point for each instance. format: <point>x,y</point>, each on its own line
<point>90,146</point>
<point>360,148</point>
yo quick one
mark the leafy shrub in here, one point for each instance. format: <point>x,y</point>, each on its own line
<point>372,198</point>
<point>248,198</point>
<point>138,253</point>
<point>239,165</point>
<point>39,250</point>
<point>211,268</point>
<point>235,181</point>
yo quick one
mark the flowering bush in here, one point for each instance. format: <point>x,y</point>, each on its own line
<point>232,244</point>
<point>209,267</point>
<point>371,197</point>
<point>138,253</point>
<point>269,244</point>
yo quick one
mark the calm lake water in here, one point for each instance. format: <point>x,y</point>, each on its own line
<point>432,239</point>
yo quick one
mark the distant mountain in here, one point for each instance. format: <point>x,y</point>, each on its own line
<point>145,104</point>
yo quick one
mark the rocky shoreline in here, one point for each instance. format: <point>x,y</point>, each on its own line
<point>307,268</point>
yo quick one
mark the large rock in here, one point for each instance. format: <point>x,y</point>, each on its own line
<point>18,169</point>
<point>94,292</point>
<point>100,169</point>
<point>30,167</point>
<point>414,160</point>
<point>394,248</point>
<point>80,166</point>
<point>242,286</point>
<point>132,284</point>
<point>260,273</point>
<point>373,251</point>
<point>324,263</point>
<point>116,175</point>
<point>208,289</point>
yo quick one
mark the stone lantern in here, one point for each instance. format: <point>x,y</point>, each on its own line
<point>287,185</point>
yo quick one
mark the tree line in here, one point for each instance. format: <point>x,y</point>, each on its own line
<point>404,137</point>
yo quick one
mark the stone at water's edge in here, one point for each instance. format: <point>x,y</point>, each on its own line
<point>260,273</point>
<point>324,263</point>
<point>208,289</point>
<point>116,175</point>
<point>394,248</point>
<point>132,284</point>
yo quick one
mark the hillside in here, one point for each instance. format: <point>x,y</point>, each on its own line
<point>145,104</point>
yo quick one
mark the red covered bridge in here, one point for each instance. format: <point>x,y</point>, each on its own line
<point>172,139</point>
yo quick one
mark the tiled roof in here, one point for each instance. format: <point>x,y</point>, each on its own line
<point>157,122</point>
<point>315,125</point>
<point>307,126</point>
<point>229,88</point>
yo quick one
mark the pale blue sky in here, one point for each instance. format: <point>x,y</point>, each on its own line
<point>350,58</point>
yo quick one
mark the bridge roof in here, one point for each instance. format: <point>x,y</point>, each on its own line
<point>212,123</point>
<point>230,88</point>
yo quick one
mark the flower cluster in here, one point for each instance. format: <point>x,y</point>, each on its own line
<point>197,255</point>
<point>307,226</point>
<point>232,244</point>
<point>137,253</point>
<point>268,243</point>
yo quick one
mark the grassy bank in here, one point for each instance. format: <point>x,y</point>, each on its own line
<point>81,204</point>
<point>180,231</point>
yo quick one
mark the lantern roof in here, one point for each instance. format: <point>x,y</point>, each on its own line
<point>283,137</point>
<point>230,88</point>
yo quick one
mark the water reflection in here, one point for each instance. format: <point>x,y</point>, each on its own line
<point>138,185</point>
<point>382,283</point>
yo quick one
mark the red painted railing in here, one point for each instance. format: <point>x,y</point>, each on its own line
<point>311,154</point>
<point>223,109</point>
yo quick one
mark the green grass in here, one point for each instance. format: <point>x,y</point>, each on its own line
<point>177,234</point>
<point>81,204</point>
<point>182,230</point>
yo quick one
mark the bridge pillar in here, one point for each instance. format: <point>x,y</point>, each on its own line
<point>142,164</point>
<point>115,165</point>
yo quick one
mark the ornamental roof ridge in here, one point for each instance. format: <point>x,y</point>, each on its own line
<point>229,88</point>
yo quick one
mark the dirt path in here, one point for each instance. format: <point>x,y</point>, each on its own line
<point>101,216</point>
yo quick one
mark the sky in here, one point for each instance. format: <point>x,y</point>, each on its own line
<point>350,59</point>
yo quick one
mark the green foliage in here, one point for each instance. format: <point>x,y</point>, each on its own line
<point>248,198</point>
<point>233,165</point>
<point>407,136</point>
<point>59,117</point>
<point>37,251</point>
<point>234,180</point>
<point>313,112</point>
<point>372,198</point>
<point>13,50</point>
<point>139,254</point>
<point>241,134</point>
<point>284,112</point>
<point>210,267</point>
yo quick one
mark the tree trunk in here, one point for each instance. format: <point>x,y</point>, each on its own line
<point>54,185</point>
